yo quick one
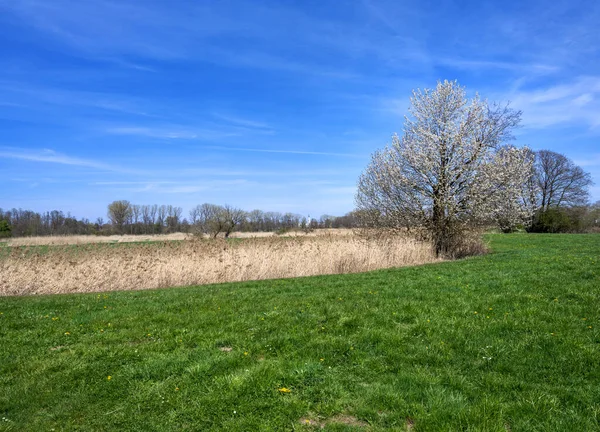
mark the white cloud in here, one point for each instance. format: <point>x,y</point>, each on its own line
<point>573,103</point>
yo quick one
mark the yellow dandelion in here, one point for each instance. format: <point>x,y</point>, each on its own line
<point>284,390</point>
<point>589,326</point>
<point>322,359</point>
<point>67,333</point>
<point>475,313</point>
<point>491,309</point>
<point>176,388</point>
<point>108,378</point>
<point>245,353</point>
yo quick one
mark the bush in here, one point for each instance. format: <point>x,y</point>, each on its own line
<point>467,243</point>
<point>561,220</point>
<point>551,221</point>
<point>5,229</point>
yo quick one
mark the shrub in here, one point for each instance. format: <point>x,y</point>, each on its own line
<point>5,229</point>
<point>559,220</point>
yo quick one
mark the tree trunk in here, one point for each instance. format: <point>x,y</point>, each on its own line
<point>439,228</point>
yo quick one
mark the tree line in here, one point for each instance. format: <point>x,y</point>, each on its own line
<point>124,217</point>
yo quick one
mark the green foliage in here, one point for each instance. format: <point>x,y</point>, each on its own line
<point>505,341</point>
<point>5,229</point>
<point>560,220</point>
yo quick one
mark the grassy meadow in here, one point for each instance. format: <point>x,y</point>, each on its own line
<point>508,341</point>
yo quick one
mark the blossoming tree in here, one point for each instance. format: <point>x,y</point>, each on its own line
<point>449,170</point>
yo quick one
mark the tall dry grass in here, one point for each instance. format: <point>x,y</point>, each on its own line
<point>87,268</point>
<point>86,239</point>
<point>127,238</point>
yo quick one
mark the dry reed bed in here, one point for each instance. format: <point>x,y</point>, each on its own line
<point>88,268</point>
<point>87,239</point>
<point>128,238</point>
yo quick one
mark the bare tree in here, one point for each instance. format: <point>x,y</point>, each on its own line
<point>215,219</point>
<point>441,174</point>
<point>173,219</point>
<point>256,220</point>
<point>561,183</point>
<point>195,215</point>
<point>146,218</point>
<point>119,213</point>
<point>210,219</point>
<point>135,211</point>
<point>161,217</point>
<point>153,215</point>
<point>232,217</point>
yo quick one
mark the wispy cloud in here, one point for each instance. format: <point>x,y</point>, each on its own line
<point>33,95</point>
<point>50,156</point>
<point>234,127</point>
<point>573,103</point>
<point>120,31</point>
<point>238,121</point>
<point>175,187</point>
<point>474,64</point>
<point>302,152</point>
<point>156,132</point>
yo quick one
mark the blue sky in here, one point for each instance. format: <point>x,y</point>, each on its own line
<point>274,105</point>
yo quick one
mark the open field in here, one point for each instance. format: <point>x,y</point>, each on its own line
<point>509,341</point>
<point>129,266</point>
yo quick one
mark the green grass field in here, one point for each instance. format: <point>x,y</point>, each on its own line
<point>505,342</point>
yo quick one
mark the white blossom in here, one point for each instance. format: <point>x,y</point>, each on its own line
<point>449,170</point>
